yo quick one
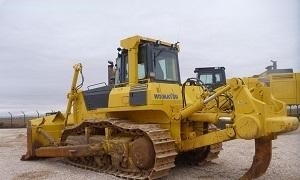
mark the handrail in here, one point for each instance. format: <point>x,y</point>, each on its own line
<point>96,84</point>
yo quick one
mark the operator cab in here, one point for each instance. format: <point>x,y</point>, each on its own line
<point>156,62</point>
<point>211,77</point>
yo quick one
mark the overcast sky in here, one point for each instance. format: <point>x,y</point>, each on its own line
<point>41,40</point>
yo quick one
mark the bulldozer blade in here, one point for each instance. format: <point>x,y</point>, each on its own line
<point>261,159</point>
<point>29,154</point>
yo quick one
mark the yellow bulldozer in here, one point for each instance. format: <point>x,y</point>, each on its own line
<point>137,125</point>
<point>284,83</point>
<point>285,86</point>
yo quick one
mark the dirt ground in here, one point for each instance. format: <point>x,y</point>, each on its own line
<point>233,161</point>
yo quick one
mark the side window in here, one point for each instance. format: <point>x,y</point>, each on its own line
<point>141,71</point>
<point>141,62</point>
<point>121,69</point>
<point>218,78</point>
<point>118,71</point>
<point>160,69</point>
<point>171,69</point>
<point>126,68</point>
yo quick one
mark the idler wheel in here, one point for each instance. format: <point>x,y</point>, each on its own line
<point>142,153</point>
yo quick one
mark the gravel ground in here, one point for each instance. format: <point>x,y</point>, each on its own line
<point>233,161</point>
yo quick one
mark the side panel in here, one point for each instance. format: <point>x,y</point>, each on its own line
<point>138,98</point>
<point>283,87</point>
<point>96,98</point>
<point>138,95</point>
<point>298,87</point>
<point>119,97</point>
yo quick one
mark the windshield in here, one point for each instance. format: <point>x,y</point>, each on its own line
<point>207,79</point>
<point>210,78</point>
<point>166,66</point>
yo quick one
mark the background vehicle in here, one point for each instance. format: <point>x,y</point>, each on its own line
<point>212,77</point>
<point>137,125</point>
<point>284,83</point>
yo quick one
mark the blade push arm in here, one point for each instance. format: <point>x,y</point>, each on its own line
<point>72,94</point>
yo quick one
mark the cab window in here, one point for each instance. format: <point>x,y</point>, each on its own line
<point>166,67</point>
<point>207,79</point>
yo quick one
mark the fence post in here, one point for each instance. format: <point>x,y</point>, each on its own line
<point>23,117</point>
<point>10,119</point>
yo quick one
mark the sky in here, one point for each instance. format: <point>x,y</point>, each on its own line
<point>40,41</point>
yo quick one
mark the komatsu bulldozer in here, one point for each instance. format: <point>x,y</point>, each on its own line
<point>137,125</point>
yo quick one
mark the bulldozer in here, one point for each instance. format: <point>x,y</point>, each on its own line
<point>139,123</point>
<point>284,83</point>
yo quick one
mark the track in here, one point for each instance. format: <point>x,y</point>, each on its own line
<point>163,144</point>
